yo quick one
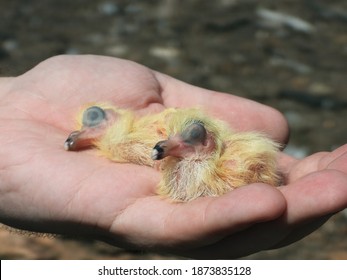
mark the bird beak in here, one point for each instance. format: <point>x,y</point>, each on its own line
<point>76,141</point>
<point>158,151</point>
<point>84,138</point>
<point>175,146</point>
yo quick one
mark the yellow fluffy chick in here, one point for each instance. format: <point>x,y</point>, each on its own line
<point>203,157</point>
<point>116,133</point>
<point>199,155</point>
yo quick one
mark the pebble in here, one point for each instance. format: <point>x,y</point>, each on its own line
<point>294,65</point>
<point>10,45</point>
<point>167,53</point>
<point>320,89</point>
<point>119,50</point>
<point>72,51</point>
<point>108,8</point>
<point>344,213</point>
<point>313,100</point>
<point>296,151</point>
<point>278,20</point>
<point>294,118</point>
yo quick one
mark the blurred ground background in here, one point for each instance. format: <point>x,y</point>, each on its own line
<point>291,55</point>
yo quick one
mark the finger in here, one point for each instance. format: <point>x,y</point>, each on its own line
<point>285,165</point>
<point>56,88</point>
<point>310,202</point>
<point>315,195</point>
<point>243,243</point>
<point>335,160</point>
<point>232,212</point>
<point>200,222</point>
<point>301,231</point>
<point>5,85</point>
<point>248,230</point>
<point>241,113</point>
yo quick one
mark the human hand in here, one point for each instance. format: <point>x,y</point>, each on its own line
<point>44,188</point>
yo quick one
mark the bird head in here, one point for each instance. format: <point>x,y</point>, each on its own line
<point>92,123</point>
<point>191,134</point>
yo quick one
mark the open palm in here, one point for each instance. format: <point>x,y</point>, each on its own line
<point>44,188</point>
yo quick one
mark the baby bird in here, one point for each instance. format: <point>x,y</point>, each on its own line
<point>196,154</point>
<point>203,157</point>
<point>116,133</point>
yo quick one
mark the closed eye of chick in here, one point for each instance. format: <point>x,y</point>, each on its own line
<point>204,157</point>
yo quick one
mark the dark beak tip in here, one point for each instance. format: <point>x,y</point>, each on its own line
<point>68,144</point>
<point>157,152</point>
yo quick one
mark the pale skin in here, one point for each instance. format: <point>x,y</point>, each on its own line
<point>47,189</point>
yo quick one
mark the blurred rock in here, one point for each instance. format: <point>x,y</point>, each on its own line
<point>292,64</point>
<point>119,50</point>
<point>72,51</point>
<point>296,151</point>
<point>318,101</point>
<point>277,20</point>
<point>108,8</point>
<point>10,45</point>
<point>167,53</point>
<point>328,11</point>
<point>227,25</point>
<point>320,89</point>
